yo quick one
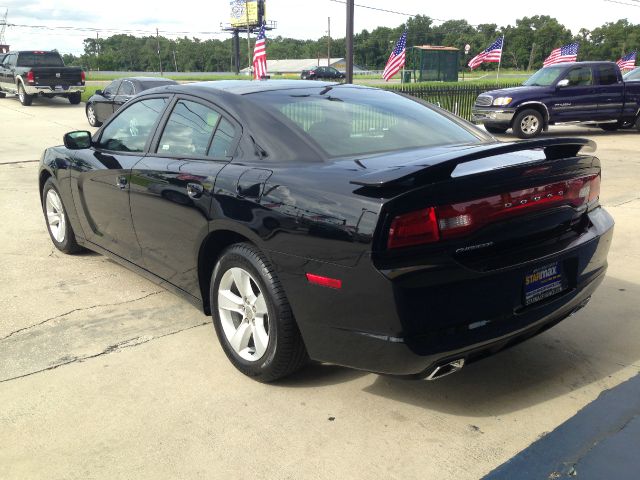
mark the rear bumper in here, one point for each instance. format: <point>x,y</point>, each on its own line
<point>38,90</point>
<point>502,116</point>
<point>382,324</point>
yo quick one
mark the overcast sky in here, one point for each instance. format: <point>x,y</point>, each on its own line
<point>296,18</point>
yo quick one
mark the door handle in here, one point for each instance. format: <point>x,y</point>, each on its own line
<point>121,182</point>
<point>194,190</point>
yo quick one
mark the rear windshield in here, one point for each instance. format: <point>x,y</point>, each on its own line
<point>39,59</point>
<point>146,85</point>
<point>347,121</point>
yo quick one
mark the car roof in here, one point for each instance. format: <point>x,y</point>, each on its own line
<point>244,87</point>
<point>148,79</point>
<point>578,64</point>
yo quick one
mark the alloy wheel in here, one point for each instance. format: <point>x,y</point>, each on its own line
<point>91,115</point>
<point>529,124</point>
<point>243,314</point>
<point>55,215</point>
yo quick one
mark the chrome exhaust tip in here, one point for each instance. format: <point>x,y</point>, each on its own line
<point>446,369</point>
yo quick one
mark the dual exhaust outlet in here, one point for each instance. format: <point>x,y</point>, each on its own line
<point>446,369</point>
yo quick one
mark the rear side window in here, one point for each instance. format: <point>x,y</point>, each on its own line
<point>112,88</point>
<point>188,130</point>
<point>353,120</point>
<point>133,126</point>
<point>40,59</point>
<point>126,88</point>
<point>607,74</point>
<point>222,140</point>
<point>581,76</point>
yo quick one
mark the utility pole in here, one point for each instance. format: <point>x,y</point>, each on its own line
<point>175,62</point>
<point>246,11</point>
<point>236,50</point>
<point>328,41</point>
<point>159,57</point>
<point>349,73</point>
<point>97,52</point>
<point>533,51</point>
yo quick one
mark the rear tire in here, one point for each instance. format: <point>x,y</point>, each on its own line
<point>58,224</point>
<point>528,124</point>
<point>75,98</point>
<point>25,99</point>
<point>495,129</point>
<point>252,317</point>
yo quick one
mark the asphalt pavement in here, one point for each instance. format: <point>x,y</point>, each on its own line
<point>106,375</point>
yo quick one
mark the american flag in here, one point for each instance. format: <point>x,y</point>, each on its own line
<point>628,62</point>
<point>493,54</point>
<point>396,59</point>
<point>260,55</point>
<point>568,53</point>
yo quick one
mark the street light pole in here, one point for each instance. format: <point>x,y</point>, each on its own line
<point>349,73</point>
<point>328,41</point>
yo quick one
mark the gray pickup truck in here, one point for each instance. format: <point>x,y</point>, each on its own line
<point>32,73</point>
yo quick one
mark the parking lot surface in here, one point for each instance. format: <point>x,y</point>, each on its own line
<point>106,375</point>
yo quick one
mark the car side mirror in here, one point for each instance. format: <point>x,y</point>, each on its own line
<point>98,92</point>
<point>563,83</point>
<point>77,140</point>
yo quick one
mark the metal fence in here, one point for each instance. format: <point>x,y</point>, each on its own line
<point>458,99</point>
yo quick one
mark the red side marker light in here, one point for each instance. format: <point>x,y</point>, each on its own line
<point>324,281</point>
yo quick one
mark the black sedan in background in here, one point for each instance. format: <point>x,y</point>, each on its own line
<point>340,223</point>
<point>322,73</point>
<point>103,103</point>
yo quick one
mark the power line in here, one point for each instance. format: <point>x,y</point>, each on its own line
<point>637,4</point>
<point>111,30</point>
<point>368,7</point>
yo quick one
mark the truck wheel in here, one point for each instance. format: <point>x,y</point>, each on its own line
<point>25,99</point>
<point>528,124</point>
<point>495,129</point>
<point>74,98</point>
<point>609,127</point>
<point>252,317</point>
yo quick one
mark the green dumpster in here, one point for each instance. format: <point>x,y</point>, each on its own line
<point>406,76</point>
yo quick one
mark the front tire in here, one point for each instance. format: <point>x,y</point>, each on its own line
<point>58,224</point>
<point>528,124</point>
<point>25,99</point>
<point>495,129</point>
<point>75,98</point>
<point>252,317</point>
<point>92,116</point>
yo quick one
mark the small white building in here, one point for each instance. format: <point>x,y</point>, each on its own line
<point>296,65</point>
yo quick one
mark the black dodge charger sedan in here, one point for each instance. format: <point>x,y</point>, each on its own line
<point>339,223</point>
<point>103,103</point>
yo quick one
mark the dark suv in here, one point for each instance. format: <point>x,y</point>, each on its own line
<point>321,73</point>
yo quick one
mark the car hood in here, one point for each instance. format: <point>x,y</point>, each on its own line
<point>519,92</point>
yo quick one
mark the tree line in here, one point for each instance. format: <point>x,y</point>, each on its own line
<point>527,44</point>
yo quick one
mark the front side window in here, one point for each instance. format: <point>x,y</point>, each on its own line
<point>132,127</point>
<point>607,74</point>
<point>188,130</point>
<point>580,77</point>
<point>632,76</point>
<point>353,120</point>
<point>544,77</point>
<point>112,88</point>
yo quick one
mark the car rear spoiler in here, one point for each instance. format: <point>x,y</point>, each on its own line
<point>441,166</point>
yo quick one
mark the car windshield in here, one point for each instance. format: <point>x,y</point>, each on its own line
<point>347,121</point>
<point>39,59</point>
<point>632,75</point>
<point>544,77</point>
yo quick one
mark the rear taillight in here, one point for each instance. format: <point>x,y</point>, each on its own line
<point>30,77</point>
<point>83,77</point>
<point>414,228</point>
<point>455,220</point>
